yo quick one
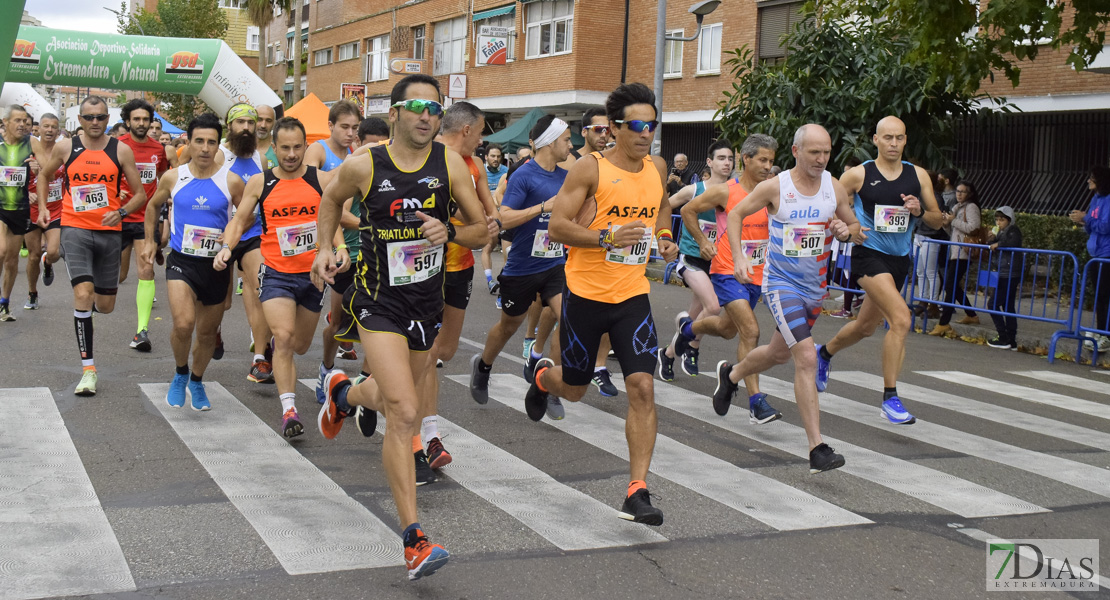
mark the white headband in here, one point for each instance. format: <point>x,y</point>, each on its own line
<point>554,130</point>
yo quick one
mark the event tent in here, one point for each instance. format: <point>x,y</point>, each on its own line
<point>313,114</point>
<point>516,135</point>
<point>168,127</point>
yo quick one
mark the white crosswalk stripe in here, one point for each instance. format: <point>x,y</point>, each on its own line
<point>564,516</point>
<point>983,410</point>
<point>55,539</point>
<point>1014,390</point>
<point>1067,380</point>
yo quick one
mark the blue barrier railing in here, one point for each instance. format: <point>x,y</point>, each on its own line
<point>1097,270</point>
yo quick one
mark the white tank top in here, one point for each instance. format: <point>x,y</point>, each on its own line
<point>798,248</point>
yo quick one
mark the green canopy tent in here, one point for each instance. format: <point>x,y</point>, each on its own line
<point>516,135</point>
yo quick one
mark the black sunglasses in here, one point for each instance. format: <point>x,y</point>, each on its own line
<point>94,117</point>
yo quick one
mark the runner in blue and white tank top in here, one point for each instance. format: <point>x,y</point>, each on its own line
<point>806,208</point>
<point>343,121</point>
<point>891,196</point>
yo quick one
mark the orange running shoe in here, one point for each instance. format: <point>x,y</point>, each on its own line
<point>331,418</point>
<point>424,558</point>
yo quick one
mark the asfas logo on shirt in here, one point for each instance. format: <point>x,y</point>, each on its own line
<point>632,212</point>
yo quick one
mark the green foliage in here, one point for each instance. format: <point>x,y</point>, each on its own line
<point>845,76</point>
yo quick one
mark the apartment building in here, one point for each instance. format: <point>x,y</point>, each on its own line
<point>241,36</point>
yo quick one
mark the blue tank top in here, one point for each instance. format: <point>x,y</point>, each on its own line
<point>879,207</point>
<point>708,221</point>
<point>201,210</point>
<point>331,161</point>
<point>246,168</point>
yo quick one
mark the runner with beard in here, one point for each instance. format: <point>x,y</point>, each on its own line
<point>41,260</point>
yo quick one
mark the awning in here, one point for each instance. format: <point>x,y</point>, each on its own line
<point>494,12</point>
<point>304,35</point>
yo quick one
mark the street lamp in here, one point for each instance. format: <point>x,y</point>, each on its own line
<point>129,15</point>
<point>699,9</point>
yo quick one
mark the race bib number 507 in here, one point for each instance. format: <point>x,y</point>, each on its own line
<point>802,241</point>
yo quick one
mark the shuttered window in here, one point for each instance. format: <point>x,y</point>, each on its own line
<point>775,21</point>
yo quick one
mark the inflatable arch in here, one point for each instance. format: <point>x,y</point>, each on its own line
<point>208,69</point>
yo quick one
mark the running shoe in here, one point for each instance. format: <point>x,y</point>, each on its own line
<point>261,372</point>
<point>175,397</point>
<point>530,367</point>
<point>218,351</point>
<point>823,368</point>
<point>438,457</point>
<point>497,302</point>
<point>997,342</point>
<point>141,341</point>
<point>424,472</point>
<point>822,458</point>
<point>535,400</point>
<point>6,312</point>
<point>528,342</point>
<point>321,397</point>
<point>239,287</point>
<point>24,252</point>
<point>479,381</point>
<point>666,365</point>
<point>32,302</point>
<point>555,410</point>
<point>366,420</point>
<point>199,396</point>
<point>330,419</point>
<point>493,286</point>
<point>439,363</point>
<point>291,423</point>
<point>690,362</point>
<point>637,507</point>
<point>423,558</point>
<point>722,395</point>
<point>604,383</point>
<point>47,271</point>
<point>843,313</point>
<point>760,412</point>
<point>346,351</point>
<point>87,385</point>
<point>896,413</point>
<point>681,342</point>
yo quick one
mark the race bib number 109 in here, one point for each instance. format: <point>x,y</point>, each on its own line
<point>636,254</point>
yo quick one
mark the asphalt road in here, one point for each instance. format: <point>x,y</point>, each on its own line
<point>215,505</point>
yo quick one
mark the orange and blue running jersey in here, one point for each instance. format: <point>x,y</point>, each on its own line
<point>753,236</point>
<point>289,210</point>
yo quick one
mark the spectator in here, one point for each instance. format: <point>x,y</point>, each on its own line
<point>844,277</point>
<point>1096,222</point>
<point>494,169</point>
<point>682,174</point>
<point>947,185</point>
<point>963,220</point>
<point>928,255</point>
<point>1009,278</point>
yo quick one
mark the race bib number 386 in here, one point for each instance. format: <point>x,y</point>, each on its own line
<point>802,241</point>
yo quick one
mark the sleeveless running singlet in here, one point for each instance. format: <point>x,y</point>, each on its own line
<point>398,269</point>
<point>150,159</point>
<point>753,237</point>
<point>331,161</point>
<point>200,212</point>
<point>879,206</point>
<point>15,175</point>
<point>54,196</point>
<point>622,197</point>
<point>288,208</point>
<point>458,257</point>
<point>707,223</point>
<point>92,186</point>
<point>245,168</point>
<point>798,251</point>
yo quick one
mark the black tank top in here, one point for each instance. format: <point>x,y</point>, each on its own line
<point>397,268</point>
<point>876,190</point>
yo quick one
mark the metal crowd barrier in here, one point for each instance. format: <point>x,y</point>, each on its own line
<point>1092,272</point>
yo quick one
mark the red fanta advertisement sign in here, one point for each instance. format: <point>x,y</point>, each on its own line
<point>492,50</point>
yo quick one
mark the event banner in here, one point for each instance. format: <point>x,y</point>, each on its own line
<point>355,92</point>
<point>11,11</point>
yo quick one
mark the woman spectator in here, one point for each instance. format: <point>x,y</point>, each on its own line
<point>929,263</point>
<point>1096,222</point>
<point>963,220</point>
<point>1010,269</point>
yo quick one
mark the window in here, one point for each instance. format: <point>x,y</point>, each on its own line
<point>377,58</point>
<point>549,25</point>
<point>322,57</point>
<point>449,44</point>
<point>508,22</point>
<point>348,51</point>
<point>233,4</point>
<point>774,23</point>
<point>709,49</point>
<point>252,38</point>
<point>672,54</point>
<point>270,54</point>
<point>418,42</point>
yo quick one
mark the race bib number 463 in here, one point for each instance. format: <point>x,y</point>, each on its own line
<point>802,241</point>
<point>89,197</point>
<point>891,219</point>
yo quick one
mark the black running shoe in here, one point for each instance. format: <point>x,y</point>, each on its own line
<point>438,456</point>
<point>822,458</point>
<point>604,383</point>
<point>366,420</point>
<point>141,341</point>
<point>47,271</point>
<point>722,396</point>
<point>424,472</point>
<point>535,400</point>
<point>666,364</point>
<point>638,508</point>
<point>479,381</point>
<point>690,362</point>
<point>218,353</point>
<point>530,367</point>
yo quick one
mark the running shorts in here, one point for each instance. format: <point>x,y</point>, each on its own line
<point>457,287</point>
<point>867,262</point>
<point>18,221</point>
<point>343,280</point>
<point>687,261</point>
<point>794,314</point>
<point>360,313</point>
<point>242,248</point>
<point>729,290</point>
<point>132,232</point>
<point>518,292</point>
<point>92,256</point>
<point>209,285</point>
<point>298,286</point>
<point>631,331</point>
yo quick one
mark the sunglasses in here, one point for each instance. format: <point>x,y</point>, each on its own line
<point>434,108</point>
<point>639,126</point>
<point>91,118</point>
<point>602,129</point>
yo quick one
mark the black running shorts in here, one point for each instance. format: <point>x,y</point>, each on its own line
<point>360,313</point>
<point>631,331</point>
<point>209,285</point>
<point>518,292</point>
<point>867,262</point>
<point>457,287</point>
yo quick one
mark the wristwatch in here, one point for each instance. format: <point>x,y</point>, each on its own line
<point>122,213</point>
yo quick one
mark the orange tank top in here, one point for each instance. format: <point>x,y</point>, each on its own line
<point>288,208</point>
<point>91,186</point>
<point>460,258</point>
<point>622,197</point>
<point>753,237</point>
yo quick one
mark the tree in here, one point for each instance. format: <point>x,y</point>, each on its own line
<point>845,76</point>
<point>296,51</point>
<point>261,13</point>
<point>197,19</point>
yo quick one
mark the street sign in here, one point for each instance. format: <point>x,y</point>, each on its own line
<point>403,66</point>
<point>456,87</point>
<point>377,106</point>
<point>493,31</point>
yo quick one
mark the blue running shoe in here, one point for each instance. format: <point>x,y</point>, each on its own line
<point>823,368</point>
<point>681,340</point>
<point>760,412</point>
<point>896,413</point>
<point>530,367</point>
<point>321,395</point>
<point>176,396</point>
<point>200,397</point>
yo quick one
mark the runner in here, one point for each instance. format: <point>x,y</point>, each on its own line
<point>17,164</point>
<point>806,208</point>
<point>532,268</point>
<point>287,197</point>
<point>495,171</point>
<point>406,190</point>
<point>41,260</point>
<point>199,211</point>
<point>607,211</point>
<point>888,199</point>
<point>343,121</point>
<point>95,167</point>
<point>265,127</point>
<point>152,161</point>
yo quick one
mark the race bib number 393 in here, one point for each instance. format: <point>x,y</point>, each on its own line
<point>802,241</point>
<point>413,262</point>
<point>891,219</point>
<point>89,197</point>
<point>636,254</point>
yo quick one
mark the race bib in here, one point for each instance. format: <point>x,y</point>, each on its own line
<point>636,254</point>
<point>801,241</point>
<point>709,230</point>
<point>543,247</point>
<point>148,172</point>
<point>200,241</point>
<point>297,239</point>
<point>891,219</point>
<point>13,176</point>
<point>54,193</point>
<point>755,250</point>
<point>89,197</point>
<point>414,261</point>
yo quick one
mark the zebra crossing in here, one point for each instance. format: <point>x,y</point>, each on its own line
<point>58,541</point>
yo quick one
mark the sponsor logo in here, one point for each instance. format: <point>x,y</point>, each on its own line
<point>293,211</point>
<point>616,181</point>
<point>433,182</point>
<point>386,186</point>
<point>1042,565</point>
<point>809,212</point>
<point>201,200</point>
<point>363,314</point>
<point>875,183</point>
<point>184,62</point>
<point>268,183</point>
<point>25,52</point>
<point>403,204</point>
<point>632,212</point>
